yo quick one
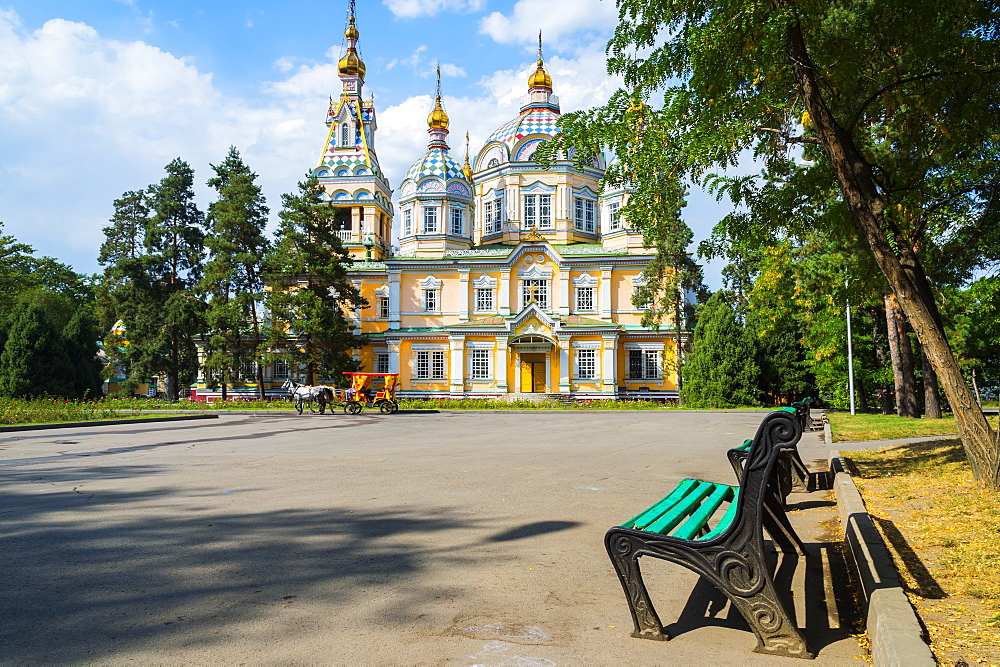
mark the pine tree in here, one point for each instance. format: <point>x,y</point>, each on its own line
<point>720,371</point>
<point>80,338</point>
<point>307,273</point>
<point>34,361</point>
<point>233,274</point>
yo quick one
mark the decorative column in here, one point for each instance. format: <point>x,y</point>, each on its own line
<point>565,367</point>
<point>393,355</point>
<point>564,291</point>
<point>501,365</point>
<point>463,293</point>
<point>394,276</point>
<point>610,356</point>
<point>505,292</point>
<point>606,292</point>
<point>457,370</point>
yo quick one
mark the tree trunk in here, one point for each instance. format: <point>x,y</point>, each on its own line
<point>880,343</point>
<point>902,360</point>
<point>932,400</point>
<point>905,274</point>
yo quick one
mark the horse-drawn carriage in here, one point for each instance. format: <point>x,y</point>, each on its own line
<point>354,399</point>
<point>362,395</point>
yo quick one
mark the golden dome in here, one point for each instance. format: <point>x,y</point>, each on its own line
<point>540,78</point>
<point>438,118</point>
<point>352,63</point>
<point>352,31</point>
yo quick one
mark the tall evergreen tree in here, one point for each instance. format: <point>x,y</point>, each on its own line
<point>34,360</point>
<point>307,273</point>
<point>233,277</point>
<point>154,291</point>
<point>720,371</point>
<point>80,339</point>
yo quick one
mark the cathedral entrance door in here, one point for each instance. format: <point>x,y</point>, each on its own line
<point>533,373</point>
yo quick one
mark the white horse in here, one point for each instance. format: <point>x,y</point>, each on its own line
<point>303,394</point>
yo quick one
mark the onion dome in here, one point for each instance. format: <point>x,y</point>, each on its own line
<point>540,78</point>
<point>466,167</point>
<point>352,63</point>
<point>438,119</point>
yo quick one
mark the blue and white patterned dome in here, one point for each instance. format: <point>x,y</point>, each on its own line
<point>508,141</point>
<point>436,162</point>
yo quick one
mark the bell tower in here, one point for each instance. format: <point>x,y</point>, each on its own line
<point>348,168</point>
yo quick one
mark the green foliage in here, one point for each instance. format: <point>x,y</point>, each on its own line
<point>153,256</point>
<point>34,360</point>
<point>80,338</point>
<point>307,273</point>
<point>233,274</point>
<point>721,370</point>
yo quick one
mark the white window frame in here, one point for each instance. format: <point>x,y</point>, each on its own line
<point>586,298</point>
<point>479,365</point>
<point>586,364</point>
<point>383,307</point>
<point>429,365</point>
<point>614,218</point>
<point>432,301</point>
<point>493,215</point>
<point>539,287</point>
<point>381,364</point>
<point>458,221</point>
<point>407,222</point>
<point>345,134</point>
<point>583,217</point>
<point>279,369</point>
<point>430,220</point>
<point>647,363</point>
<point>484,300</point>
<point>538,211</point>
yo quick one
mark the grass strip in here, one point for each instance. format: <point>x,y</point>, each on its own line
<point>855,428</point>
<point>943,530</point>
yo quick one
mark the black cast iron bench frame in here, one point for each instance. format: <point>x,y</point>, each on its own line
<point>794,473</point>
<point>732,555</point>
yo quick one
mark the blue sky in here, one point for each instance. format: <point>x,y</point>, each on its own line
<point>96,96</point>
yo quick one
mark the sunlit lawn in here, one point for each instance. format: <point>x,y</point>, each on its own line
<point>853,428</point>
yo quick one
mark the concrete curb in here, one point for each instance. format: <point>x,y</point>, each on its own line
<point>103,422</point>
<point>897,637</point>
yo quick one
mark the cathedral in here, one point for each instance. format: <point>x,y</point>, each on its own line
<point>491,277</point>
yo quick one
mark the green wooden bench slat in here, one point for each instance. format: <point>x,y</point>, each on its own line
<point>788,409</point>
<point>682,509</point>
<point>661,506</point>
<point>727,518</point>
<point>693,526</point>
<point>745,446</point>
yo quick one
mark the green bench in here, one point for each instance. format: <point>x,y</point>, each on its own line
<point>730,554</point>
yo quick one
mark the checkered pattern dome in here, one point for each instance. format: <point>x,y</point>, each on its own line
<point>534,122</point>
<point>437,162</point>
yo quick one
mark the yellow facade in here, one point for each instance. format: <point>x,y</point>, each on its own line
<point>494,277</point>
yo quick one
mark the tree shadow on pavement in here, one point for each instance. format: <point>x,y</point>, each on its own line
<point>87,576</point>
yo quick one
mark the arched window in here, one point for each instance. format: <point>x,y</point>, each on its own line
<point>345,134</point>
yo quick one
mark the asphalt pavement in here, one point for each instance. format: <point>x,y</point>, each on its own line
<point>430,538</point>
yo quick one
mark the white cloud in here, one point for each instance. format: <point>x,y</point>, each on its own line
<point>560,21</point>
<point>415,8</point>
<point>84,118</point>
<point>424,67</point>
